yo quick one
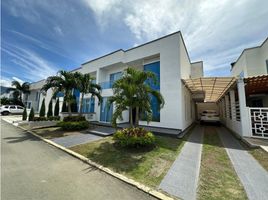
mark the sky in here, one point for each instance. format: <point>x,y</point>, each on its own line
<point>39,37</point>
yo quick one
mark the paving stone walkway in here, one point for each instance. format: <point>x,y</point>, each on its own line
<point>252,175</point>
<point>182,178</point>
<point>73,140</point>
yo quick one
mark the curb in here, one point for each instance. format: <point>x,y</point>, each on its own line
<point>129,181</point>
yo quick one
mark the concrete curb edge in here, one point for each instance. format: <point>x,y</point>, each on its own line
<point>121,177</point>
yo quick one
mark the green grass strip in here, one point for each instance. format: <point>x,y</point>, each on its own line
<point>217,179</point>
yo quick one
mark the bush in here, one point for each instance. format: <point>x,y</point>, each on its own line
<point>39,119</point>
<point>54,118</point>
<point>74,119</point>
<point>5,101</point>
<point>31,115</point>
<point>134,137</point>
<point>42,112</point>
<point>57,108</point>
<point>73,126</point>
<point>50,112</point>
<point>24,114</point>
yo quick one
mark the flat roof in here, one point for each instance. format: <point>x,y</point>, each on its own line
<point>212,87</point>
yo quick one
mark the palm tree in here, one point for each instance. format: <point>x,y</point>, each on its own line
<point>63,82</point>
<point>20,89</point>
<point>85,85</point>
<point>132,91</point>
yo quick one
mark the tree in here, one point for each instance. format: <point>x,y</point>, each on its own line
<point>20,89</point>
<point>85,85</point>
<point>50,112</point>
<point>42,112</point>
<point>57,108</point>
<point>64,106</point>
<point>63,82</point>
<point>31,115</point>
<point>24,114</point>
<point>4,101</point>
<point>132,91</point>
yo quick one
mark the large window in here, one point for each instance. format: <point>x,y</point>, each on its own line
<point>155,68</point>
<point>88,105</point>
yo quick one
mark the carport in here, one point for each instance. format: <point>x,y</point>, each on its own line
<point>207,91</point>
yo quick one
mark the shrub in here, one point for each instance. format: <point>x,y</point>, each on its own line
<point>64,107</point>
<point>54,118</point>
<point>73,126</point>
<point>74,119</point>
<point>5,101</point>
<point>24,114</point>
<point>31,115</point>
<point>134,137</point>
<point>50,112</point>
<point>42,112</point>
<point>39,119</point>
<point>57,108</point>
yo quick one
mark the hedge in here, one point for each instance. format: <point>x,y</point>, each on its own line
<point>73,126</point>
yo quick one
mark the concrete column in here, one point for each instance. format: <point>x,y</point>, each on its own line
<point>232,103</point>
<point>244,112</point>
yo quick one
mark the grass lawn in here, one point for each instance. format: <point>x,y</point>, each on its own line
<point>145,166</point>
<point>53,132</point>
<point>261,156</point>
<point>217,179</point>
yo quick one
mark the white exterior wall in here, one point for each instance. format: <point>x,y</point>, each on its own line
<point>197,70</point>
<point>178,111</point>
<point>252,61</point>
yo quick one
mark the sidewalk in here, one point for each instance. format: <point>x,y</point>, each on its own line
<point>182,178</point>
<point>252,175</point>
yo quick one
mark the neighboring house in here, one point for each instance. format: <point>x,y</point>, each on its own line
<point>167,57</point>
<point>244,108</point>
<point>252,62</point>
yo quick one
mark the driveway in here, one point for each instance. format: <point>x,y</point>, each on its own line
<point>32,169</point>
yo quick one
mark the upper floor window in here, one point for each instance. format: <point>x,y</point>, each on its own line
<point>115,76</point>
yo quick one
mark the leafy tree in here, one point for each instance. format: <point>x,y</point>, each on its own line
<point>42,112</point>
<point>4,101</point>
<point>50,112</point>
<point>24,114</point>
<point>85,85</point>
<point>64,107</point>
<point>63,82</point>
<point>31,115</point>
<point>57,108</point>
<point>132,91</point>
<point>20,89</point>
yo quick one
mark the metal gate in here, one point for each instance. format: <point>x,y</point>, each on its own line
<point>259,122</point>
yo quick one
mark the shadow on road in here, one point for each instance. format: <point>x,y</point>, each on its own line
<point>24,137</point>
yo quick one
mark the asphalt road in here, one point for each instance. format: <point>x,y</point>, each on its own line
<point>32,169</point>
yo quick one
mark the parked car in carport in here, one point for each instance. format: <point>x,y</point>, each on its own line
<point>210,116</point>
<point>11,109</point>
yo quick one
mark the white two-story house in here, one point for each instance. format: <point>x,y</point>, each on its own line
<point>168,58</point>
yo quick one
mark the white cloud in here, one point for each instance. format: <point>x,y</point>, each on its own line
<point>6,82</point>
<point>209,27</point>
<point>17,79</point>
<point>35,67</point>
<point>58,30</point>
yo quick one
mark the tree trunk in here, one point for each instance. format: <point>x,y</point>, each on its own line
<point>81,104</point>
<point>130,117</point>
<point>137,117</point>
<point>69,108</point>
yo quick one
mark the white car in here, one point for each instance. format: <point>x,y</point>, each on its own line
<point>210,116</point>
<point>11,109</point>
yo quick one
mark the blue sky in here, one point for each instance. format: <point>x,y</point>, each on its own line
<point>39,37</point>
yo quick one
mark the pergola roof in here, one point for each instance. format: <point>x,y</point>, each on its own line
<point>256,84</point>
<point>212,87</point>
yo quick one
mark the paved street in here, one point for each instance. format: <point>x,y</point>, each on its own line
<point>32,169</point>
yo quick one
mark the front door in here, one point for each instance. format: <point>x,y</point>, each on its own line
<point>106,111</point>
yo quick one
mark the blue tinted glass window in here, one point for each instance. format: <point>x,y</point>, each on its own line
<point>155,68</point>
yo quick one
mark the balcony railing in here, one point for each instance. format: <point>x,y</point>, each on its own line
<point>107,84</point>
